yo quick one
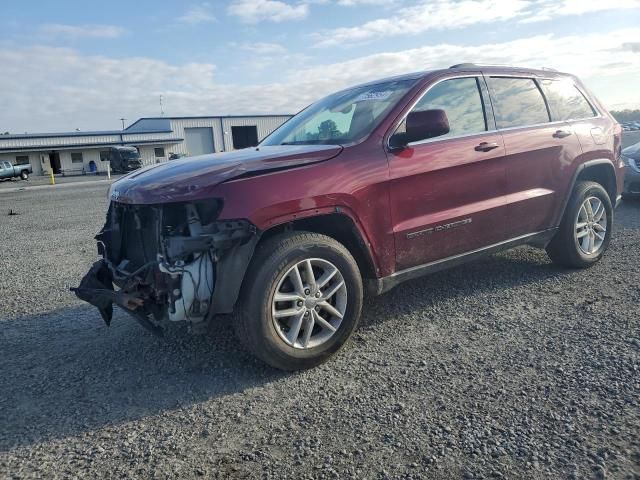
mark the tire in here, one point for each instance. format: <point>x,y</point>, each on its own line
<point>566,249</point>
<point>24,175</point>
<point>272,271</point>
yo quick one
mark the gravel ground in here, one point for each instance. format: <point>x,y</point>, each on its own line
<point>507,367</point>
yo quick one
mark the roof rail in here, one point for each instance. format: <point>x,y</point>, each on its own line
<point>463,65</point>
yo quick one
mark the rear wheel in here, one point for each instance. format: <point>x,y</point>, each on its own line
<point>301,301</point>
<point>24,175</point>
<point>585,230</point>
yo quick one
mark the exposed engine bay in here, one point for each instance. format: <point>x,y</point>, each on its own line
<point>168,263</point>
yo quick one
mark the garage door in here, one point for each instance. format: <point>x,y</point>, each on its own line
<point>199,140</point>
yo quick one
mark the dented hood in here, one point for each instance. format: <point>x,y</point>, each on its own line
<point>195,177</point>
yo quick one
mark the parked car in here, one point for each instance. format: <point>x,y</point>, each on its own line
<point>631,159</point>
<point>367,188</point>
<point>124,159</point>
<point>9,171</point>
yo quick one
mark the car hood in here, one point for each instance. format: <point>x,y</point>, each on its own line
<point>194,178</point>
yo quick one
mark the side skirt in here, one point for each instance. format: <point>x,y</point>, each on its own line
<point>379,286</point>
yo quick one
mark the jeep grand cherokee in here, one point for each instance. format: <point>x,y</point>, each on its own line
<point>367,188</point>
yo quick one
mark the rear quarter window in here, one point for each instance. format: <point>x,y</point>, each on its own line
<point>566,101</point>
<point>518,102</point>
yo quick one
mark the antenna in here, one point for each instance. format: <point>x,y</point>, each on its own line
<point>161,108</point>
<point>122,120</point>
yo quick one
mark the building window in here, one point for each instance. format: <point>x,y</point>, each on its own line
<point>159,152</point>
<point>104,156</point>
<point>76,157</point>
<point>22,160</point>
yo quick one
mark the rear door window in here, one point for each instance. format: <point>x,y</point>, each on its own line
<point>461,100</point>
<point>518,102</point>
<point>566,101</point>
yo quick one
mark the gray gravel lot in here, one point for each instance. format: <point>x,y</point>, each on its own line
<point>507,367</point>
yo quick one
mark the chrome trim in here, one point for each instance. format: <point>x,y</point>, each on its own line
<point>496,130</point>
<point>535,125</point>
<point>442,139</point>
<point>380,285</point>
<point>414,103</point>
<point>465,254</point>
<point>566,77</point>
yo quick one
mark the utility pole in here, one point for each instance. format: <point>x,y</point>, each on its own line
<point>122,120</point>
<point>161,108</point>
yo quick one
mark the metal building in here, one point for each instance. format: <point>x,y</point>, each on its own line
<point>156,139</point>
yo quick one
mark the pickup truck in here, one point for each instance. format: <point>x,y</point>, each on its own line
<point>7,170</point>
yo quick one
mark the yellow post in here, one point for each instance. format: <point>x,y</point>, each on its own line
<point>53,180</point>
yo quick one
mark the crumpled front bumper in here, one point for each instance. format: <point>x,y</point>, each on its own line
<point>96,288</point>
<point>161,264</point>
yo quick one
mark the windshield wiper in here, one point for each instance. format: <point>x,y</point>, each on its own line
<point>313,142</point>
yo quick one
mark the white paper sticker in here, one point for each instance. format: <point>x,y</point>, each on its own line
<point>375,96</point>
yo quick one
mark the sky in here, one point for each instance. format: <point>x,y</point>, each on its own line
<point>70,65</point>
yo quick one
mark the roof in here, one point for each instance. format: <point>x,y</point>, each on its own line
<point>466,67</point>
<point>196,117</point>
<point>38,148</point>
<point>151,125</point>
<point>98,133</point>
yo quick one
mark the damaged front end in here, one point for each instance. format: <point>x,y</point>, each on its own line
<point>169,263</point>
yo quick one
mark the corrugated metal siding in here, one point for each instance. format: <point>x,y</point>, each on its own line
<point>145,137</point>
<point>265,126</point>
<point>56,141</point>
<point>220,127</point>
<point>178,126</point>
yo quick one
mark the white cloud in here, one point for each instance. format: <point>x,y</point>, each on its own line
<point>548,9</point>
<point>432,15</point>
<point>355,3</point>
<point>454,14</point>
<point>201,13</point>
<point>255,11</point>
<point>92,92</point>
<point>261,48</point>
<point>82,31</point>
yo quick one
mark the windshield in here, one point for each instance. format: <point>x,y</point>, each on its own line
<point>344,117</point>
<point>130,154</point>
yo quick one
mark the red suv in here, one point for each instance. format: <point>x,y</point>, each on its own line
<point>366,188</point>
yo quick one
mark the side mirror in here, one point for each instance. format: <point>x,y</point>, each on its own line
<point>421,126</point>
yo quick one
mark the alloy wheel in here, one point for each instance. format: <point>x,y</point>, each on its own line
<point>591,226</point>
<point>309,303</point>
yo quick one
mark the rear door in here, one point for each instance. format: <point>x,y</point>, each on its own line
<point>537,151</point>
<point>446,192</point>
<point>595,132</point>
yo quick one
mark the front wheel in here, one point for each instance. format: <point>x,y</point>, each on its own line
<point>585,231</point>
<point>24,175</point>
<point>301,300</point>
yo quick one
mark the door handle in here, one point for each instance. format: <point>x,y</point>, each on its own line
<point>485,146</point>
<point>561,134</point>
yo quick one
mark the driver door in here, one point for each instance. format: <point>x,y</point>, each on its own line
<point>447,193</point>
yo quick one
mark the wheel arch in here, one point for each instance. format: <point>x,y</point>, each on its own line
<point>601,171</point>
<point>338,225</point>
